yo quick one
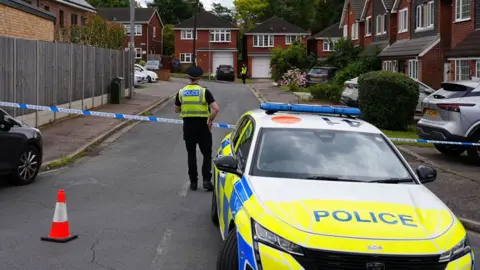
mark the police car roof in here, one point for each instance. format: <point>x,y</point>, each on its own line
<point>310,121</point>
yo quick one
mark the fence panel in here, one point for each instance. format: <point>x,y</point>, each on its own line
<point>90,78</point>
<point>106,72</point>
<point>63,73</point>
<point>77,73</point>
<point>98,71</point>
<point>25,68</point>
<point>7,84</point>
<point>46,69</point>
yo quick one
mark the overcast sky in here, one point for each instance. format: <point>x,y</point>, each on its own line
<point>206,3</point>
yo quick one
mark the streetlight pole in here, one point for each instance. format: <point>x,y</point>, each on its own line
<point>132,47</point>
<point>194,55</point>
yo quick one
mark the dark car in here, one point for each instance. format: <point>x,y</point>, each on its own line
<point>21,150</point>
<point>321,75</point>
<point>225,73</point>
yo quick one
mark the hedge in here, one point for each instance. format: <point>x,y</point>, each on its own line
<point>326,92</point>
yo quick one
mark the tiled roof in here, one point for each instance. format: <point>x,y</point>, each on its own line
<point>374,47</point>
<point>25,7</point>
<point>276,25</point>
<point>357,6</point>
<point>468,47</point>
<point>331,31</point>
<point>388,4</point>
<point>123,14</point>
<point>206,19</point>
<point>409,47</point>
<point>82,3</point>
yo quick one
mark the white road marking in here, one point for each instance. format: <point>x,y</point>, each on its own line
<point>161,248</point>
<point>50,171</point>
<point>184,190</point>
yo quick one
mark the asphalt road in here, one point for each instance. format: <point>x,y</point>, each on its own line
<point>129,202</point>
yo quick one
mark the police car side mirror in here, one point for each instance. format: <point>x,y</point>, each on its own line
<point>227,164</point>
<point>426,174</point>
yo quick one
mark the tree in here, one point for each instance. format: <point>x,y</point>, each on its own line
<point>168,40</point>
<point>298,12</point>
<point>222,12</point>
<point>109,3</point>
<point>327,13</point>
<point>175,11</point>
<point>250,12</point>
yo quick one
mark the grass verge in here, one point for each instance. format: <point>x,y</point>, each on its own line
<point>407,134</point>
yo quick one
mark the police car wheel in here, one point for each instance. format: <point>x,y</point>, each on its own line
<point>228,257</point>
<point>214,212</point>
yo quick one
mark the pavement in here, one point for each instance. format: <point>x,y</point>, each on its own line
<point>128,201</point>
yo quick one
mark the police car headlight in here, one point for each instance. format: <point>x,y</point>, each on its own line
<point>458,251</point>
<point>269,238</point>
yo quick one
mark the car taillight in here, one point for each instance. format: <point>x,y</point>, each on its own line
<point>453,107</point>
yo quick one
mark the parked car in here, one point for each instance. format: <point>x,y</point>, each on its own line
<point>140,78</point>
<point>225,73</point>
<point>321,75</point>
<point>151,76</point>
<point>350,94</point>
<point>153,65</point>
<point>452,113</point>
<point>21,150</point>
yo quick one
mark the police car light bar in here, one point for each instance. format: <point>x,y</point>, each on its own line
<point>283,107</point>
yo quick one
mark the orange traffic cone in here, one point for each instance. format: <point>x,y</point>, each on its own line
<point>60,231</point>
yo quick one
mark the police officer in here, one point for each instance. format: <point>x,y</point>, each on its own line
<point>198,109</point>
<point>244,73</point>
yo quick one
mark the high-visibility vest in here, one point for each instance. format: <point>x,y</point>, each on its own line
<point>193,101</point>
<point>244,70</point>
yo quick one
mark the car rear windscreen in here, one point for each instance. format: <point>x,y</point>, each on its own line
<point>318,71</point>
<point>452,90</point>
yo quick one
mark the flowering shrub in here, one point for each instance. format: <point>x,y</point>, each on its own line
<point>294,77</point>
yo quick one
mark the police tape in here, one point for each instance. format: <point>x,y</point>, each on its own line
<point>176,121</point>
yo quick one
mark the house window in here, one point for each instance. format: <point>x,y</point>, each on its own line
<point>462,70</point>
<point>345,31</point>
<point>138,29</point>
<point>425,16</point>
<point>187,34</point>
<point>74,19</point>
<point>138,53</point>
<point>61,19</point>
<point>329,46</point>
<point>263,41</point>
<point>185,58</point>
<point>413,69</point>
<point>220,36</point>
<point>354,31</point>
<point>368,26</point>
<point>154,32</point>
<point>388,65</point>
<point>291,39</point>
<point>462,10</point>
<point>403,20</point>
<point>477,68</point>
<point>380,26</point>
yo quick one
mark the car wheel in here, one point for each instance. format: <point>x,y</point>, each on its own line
<point>228,257</point>
<point>149,79</point>
<point>474,151</point>
<point>29,165</point>
<point>450,150</point>
<point>214,212</point>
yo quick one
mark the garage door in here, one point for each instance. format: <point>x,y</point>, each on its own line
<point>261,67</point>
<point>221,58</point>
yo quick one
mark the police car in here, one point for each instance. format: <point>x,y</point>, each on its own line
<point>313,187</point>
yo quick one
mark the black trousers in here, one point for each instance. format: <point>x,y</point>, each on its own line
<point>204,141</point>
<point>244,77</point>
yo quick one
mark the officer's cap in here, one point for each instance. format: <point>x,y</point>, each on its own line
<point>194,72</point>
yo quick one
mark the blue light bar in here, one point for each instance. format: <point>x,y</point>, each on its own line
<point>305,108</point>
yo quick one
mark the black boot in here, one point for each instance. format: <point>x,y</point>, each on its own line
<point>208,185</point>
<point>193,185</point>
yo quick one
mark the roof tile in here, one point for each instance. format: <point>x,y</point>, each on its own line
<point>468,47</point>
<point>123,14</point>
<point>206,19</point>
<point>331,31</point>
<point>277,25</point>
<point>408,47</point>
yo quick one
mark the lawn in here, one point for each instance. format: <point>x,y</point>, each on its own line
<point>408,134</point>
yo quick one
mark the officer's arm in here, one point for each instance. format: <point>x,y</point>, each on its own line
<point>177,104</point>
<point>214,112</point>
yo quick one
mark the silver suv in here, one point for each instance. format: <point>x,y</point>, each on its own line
<point>452,113</point>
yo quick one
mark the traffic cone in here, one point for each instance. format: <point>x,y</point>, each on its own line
<point>60,231</point>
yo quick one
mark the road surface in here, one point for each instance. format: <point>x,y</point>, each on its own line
<point>129,202</point>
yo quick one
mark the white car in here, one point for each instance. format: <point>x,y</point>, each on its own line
<point>140,78</point>
<point>150,75</point>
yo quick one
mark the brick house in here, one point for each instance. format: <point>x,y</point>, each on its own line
<point>216,44</point>
<point>350,21</point>
<point>68,12</point>
<point>322,48</point>
<point>259,42</point>
<point>464,57</point>
<point>148,29</point>
<point>19,19</point>
<point>374,19</point>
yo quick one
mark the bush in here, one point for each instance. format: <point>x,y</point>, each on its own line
<point>357,68</point>
<point>294,77</point>
<point>344,54</point>
<point>141,62</point>
<point>387,99</point>
<point>295,56</point>
<point>326,92</point>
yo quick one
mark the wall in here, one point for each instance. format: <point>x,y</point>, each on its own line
<point>430,67</point>
<point>186,46</point>
<point>278,41</point>
<point>20,24</point>
<point>379,9</point>
<point>413,20</point>
<point>320,51</point>
<point>461,29</point>
<point>154,44</point>
<point>58,74</point>
<point>369,39</point>
<point>405,4</point>
<point>477,14</point>
<point>55,8</point>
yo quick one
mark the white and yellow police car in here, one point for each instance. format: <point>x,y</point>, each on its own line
<point>312,187</point>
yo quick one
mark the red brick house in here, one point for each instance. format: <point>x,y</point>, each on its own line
<point>375,28</point>
<point>68,12</point>
<point>350,21</point>
<point>322,45</point>
<point>259,42</point>
<point>464,57</point>
<point>148,29</point>
<point>216,44</point>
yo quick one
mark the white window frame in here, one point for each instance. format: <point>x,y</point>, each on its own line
<point>220,36</point>
<point>187,35</point>
<point>345,31</point>
<point>263,41</point>
<point>354,31</point>
<point>403,20</point>
<point>186,58</point>
<point>477,68</point>
<point>138,53</point>
<point>460,13</point>
<point>425,16</point>
<point>329,47</point>
<point>291,39</point>
<point>413,69</point>
<point>380,25</point>
<point>154,32</point>
<point>389,65</point>
<point>138,30</point>
<point>368,26</point>
<point>459,75</point>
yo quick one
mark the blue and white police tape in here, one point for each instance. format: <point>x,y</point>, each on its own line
<point>176,121</point>
<point>102,114</point>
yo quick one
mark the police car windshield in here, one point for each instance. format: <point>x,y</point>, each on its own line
<point>333,155</point>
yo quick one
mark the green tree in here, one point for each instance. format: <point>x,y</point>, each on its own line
<point>223,12</point>
<point>327,12</point>
<point>249,12</point>
<point>295,56</point>
<point>175,11</point>
<point>168,40</point>
<point>298,12</point>
<point>345,53</point>
<point>109,3</point>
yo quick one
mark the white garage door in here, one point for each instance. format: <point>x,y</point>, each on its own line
<point>221,58</point>
<point>261,67</point>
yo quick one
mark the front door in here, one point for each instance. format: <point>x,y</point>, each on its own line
<point>446,72</point>
<point>401,66</point>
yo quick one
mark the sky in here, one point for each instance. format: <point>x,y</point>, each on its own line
<point>206,3</point>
